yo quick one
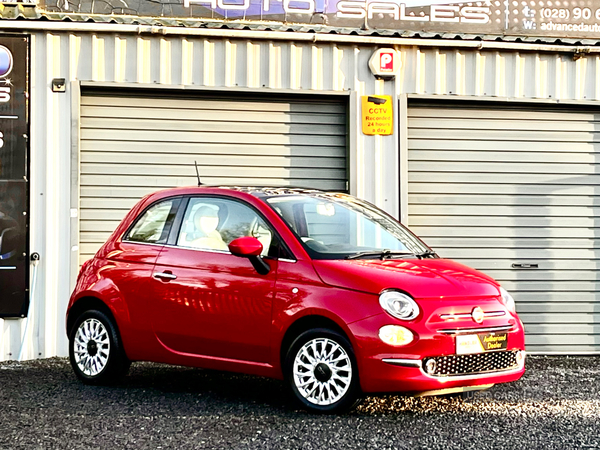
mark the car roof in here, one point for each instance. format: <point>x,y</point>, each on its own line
<point>255,191</point>
<point>274,191</point>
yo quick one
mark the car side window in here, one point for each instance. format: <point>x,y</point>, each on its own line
<point>212,223</point>
<point>153,225</point>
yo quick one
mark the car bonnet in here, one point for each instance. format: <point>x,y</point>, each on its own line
<point>421,278</point>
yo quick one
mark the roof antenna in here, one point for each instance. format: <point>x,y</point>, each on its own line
<point>197,174</point>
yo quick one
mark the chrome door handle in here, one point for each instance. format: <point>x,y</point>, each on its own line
<point>164,276</point>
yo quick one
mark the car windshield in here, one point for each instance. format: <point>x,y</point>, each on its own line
<point>336,226</point>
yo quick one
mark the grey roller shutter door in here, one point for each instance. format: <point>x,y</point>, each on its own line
<point>131,145</point>
<point>493,186</point>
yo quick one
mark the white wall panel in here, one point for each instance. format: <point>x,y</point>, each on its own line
<point>491,73</point>
<point>237,63</point>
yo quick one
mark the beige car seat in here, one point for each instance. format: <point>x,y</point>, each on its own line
<point>206,221</point>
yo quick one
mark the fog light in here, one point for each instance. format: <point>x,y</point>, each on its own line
<point>395,335</point>
<point>431,366</point>
<point>521,357</point>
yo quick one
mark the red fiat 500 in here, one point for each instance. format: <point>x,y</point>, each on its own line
<point>323,290</point>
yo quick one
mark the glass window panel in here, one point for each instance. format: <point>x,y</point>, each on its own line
<point>150,227</point>
<point>212,223</point>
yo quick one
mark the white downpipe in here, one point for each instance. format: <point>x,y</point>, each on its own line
<point>35,257</point>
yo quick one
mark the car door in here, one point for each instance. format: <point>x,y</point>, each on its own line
<point>206,301</point>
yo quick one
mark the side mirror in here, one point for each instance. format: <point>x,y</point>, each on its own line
<point>251,248</point>
<point>245,246</point>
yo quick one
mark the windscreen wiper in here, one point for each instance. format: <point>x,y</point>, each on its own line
<point>381,254</point>
<point>427,254</point>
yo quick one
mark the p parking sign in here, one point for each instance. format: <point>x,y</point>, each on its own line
<point>384,63</point>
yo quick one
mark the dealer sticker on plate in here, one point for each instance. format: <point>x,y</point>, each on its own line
<point>479,343</point>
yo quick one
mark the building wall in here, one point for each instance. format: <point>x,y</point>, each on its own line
<point>506,74</point>
<point>206,62</point>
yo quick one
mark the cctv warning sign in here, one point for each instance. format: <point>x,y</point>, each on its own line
<point>377,115</point>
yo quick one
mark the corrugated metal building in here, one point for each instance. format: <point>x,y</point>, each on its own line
<point>494,160</point>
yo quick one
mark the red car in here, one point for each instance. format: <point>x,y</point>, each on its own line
<point>320,289</point>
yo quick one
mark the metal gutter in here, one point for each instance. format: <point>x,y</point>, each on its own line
<point>31,26</point>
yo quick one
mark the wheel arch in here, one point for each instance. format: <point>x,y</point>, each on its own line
<point>85,304</point>
<point>306,323</point>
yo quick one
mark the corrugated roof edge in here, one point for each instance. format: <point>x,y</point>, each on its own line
<point>23,11</point>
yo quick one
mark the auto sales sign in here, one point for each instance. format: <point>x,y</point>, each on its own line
<point>557,18</point>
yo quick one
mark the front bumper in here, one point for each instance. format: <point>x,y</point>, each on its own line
<point>406,375</point>
<point>426,380</point>
<point>385,369</point>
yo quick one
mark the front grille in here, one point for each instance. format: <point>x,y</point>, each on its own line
<point>456,365</point>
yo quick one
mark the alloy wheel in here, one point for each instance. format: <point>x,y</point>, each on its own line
<point>91,347</point>
<point>322,371</point>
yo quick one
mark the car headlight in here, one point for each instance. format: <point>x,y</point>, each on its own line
<point>398,305</point>
<point>508,301</point>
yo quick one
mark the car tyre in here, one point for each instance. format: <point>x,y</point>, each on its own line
<point>95,349</point>
<point>321,372</point>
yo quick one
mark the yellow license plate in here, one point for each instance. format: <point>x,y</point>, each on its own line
<point>479,343</point>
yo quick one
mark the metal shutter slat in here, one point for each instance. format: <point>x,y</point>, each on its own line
<point>493,185</point>
<point>132,145</point>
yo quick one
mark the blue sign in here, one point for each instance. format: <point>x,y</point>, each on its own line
<point>6,61</point>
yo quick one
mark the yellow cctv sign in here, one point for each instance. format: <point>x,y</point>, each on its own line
<point>377,115</point>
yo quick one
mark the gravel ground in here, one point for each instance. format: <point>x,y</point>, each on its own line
<point>42,406</point>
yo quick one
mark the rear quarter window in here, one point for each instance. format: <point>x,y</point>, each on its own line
<point>153,225</point>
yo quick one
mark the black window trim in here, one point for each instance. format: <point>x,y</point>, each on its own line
<point>175,228</point>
